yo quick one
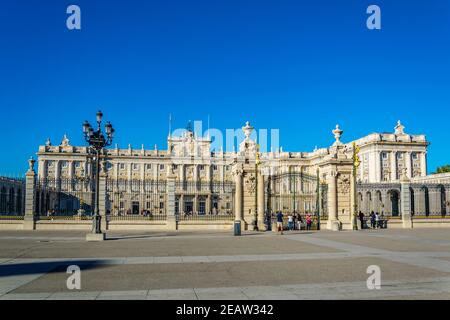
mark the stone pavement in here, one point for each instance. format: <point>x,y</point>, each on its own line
<point>415,264</point>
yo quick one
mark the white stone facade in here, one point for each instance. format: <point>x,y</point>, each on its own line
<point>384,156</point>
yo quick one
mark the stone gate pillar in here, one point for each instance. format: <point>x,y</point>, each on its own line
<point>333,222</point>
<point>405,201</point>
<point>238,198</point>
<point>29,220</point>
<point>337,169</point>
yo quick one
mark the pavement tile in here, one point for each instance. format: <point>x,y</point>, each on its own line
<point>78,295</point>
<point>26,296</point>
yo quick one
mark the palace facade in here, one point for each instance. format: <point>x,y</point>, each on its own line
<point>384,156</point>
<point>205,179</point>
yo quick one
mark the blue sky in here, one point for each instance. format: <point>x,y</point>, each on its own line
<point>299,66</point>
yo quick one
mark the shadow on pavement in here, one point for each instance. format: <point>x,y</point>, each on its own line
<point>16,269</point>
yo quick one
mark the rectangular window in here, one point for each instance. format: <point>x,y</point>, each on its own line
<point>201,167</point>
<point>161,167</point>
<point>122,166</point>
<point>148,166</point>
<point>135,166</point>
<point>215,167</point>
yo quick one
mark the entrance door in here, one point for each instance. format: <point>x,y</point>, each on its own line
<point>135,207</point>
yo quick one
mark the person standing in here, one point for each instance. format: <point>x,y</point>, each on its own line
<point>377,220</point>
<point>280,222</point>
<point>290,222</point>
<point>372,220</point>
<point>308,221</point>
<point>361,219</point>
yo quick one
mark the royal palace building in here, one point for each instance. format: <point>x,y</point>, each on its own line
<point>245,182</point>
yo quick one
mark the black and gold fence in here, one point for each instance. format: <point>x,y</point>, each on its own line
<point>12,198</point>
<point>204,200</point>
<point>64,199</point>
<point>136,199</point>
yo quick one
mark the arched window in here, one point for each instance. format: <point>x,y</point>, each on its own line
<point>413,209</point>
<point>11,200</point>
<point>443,200</point>
<point>3,200</point>
<point>426,200</point>
<point>19,202</point>
<point>394,196</point>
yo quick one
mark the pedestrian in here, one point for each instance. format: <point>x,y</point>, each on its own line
<point>377,220</point>
<point>280,222</point>
<point>361,219</point>
<point>299,221</point>
<point>290,222</point>
<point>372,220</point>
<point>308,221</point>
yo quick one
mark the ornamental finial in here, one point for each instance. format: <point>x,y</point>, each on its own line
<point>399,128</point>
<point>31,163</point>
<point>337,135</point>
<point>248,129</point>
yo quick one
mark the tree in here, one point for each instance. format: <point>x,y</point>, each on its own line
<point>443,169</point>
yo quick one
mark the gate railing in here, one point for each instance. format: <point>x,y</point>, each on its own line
<point>64,199</point>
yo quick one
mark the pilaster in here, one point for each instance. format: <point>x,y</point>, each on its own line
<point>29,221</point>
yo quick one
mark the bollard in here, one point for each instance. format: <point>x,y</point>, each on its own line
<point>237,228</point>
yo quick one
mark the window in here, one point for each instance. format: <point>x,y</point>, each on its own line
<point>174,166</point>
<point>77,164</point>
<point>64,164</point>
<point>109,166</point>
<point>50,164</point>
<point>161,167</point>
<point>135,166</point>
<point>201,167</point>
<point>122,166</point>
<point>415,156</point>
<point>384,155</point>
<point>148,166</point>
<point>215,167</point>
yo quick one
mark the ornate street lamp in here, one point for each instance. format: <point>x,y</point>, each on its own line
<point>97,140</point>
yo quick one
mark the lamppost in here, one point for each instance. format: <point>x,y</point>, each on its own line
<point>97,141</point>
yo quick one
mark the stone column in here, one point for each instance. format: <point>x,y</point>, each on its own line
<point>405,198</point>
<point>423,164</point>
<point>378,167</point>
<point>333,222</point>
<point>393,165</point>
<point>30,194</point>
<point>408,164</point>
<point>171,217</point>
<point>260,203</point>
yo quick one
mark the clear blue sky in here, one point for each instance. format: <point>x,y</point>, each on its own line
<point>300,66</point>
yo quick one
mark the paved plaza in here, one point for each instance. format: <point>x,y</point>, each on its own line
<point>415,264</point>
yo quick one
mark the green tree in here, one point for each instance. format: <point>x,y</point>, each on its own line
<point>443,169</point>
